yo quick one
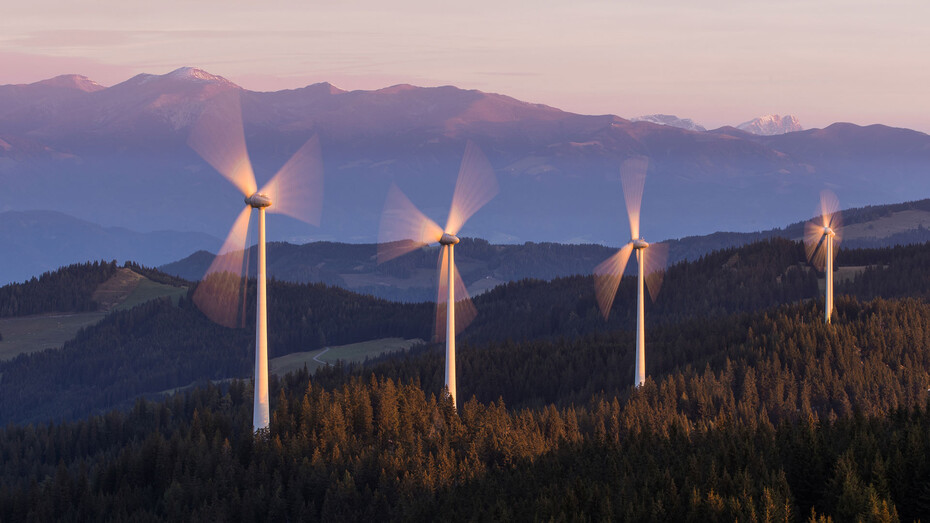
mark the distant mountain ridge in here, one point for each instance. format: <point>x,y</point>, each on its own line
<point>40,241</point>
<point>671,120</point>
<point>771,124</point>
<point>484,266</point>
<point>68,148</point>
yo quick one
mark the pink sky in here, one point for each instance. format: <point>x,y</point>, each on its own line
<point>719,62</point>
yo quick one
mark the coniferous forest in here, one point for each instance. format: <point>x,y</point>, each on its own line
<point>753,408</point>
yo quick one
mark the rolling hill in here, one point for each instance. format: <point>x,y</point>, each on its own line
<point>41,241</point>
<point>485,266</point>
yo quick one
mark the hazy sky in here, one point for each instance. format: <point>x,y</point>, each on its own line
<point>718,61</point>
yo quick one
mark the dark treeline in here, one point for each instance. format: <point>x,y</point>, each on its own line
<point>889,272</point>
<point>378,450</point>
<point>784,362</point>
<point>754,277</point>
<point>68,289</point>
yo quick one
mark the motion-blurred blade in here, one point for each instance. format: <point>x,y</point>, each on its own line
<point>633,179</point>
<point>655,263</point>
<point>475,186</point>
<point>297,188</point>
<point>219,138</point>
<point>403,227</point>
<point>218,293</point>
<point>607,277</point>
<point>813,244</point>
<point>830,208</point>
<point>465,311</point>
<point>829,205</point>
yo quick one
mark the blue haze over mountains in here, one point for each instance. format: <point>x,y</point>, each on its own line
<point>118,156</point>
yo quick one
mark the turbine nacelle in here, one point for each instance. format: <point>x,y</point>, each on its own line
<point>827,231</point>
<point>640,243</point>
<point>448,239</point>
<point>258,200</point>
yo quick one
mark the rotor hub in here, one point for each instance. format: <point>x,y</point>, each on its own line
<point>640,243</point>
<point>258,200</point>
<point>448,239</point>
<point>829,232</point>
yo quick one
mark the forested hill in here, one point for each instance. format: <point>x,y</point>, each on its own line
<point>162,346</point>
<point>483,266</point>
<point>764,416</point>
<point>753,409</point>
<point>410,278</point>
<point>71,289</point>
<point>68,289</point>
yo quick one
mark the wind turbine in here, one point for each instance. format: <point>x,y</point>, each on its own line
<point>404,229</point>
<point>295,190</point>
<point>651,268</point>
<point>822,237</point>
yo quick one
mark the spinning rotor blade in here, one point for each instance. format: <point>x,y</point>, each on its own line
<point>465,311</point>
<point>814,238</point>
<point>607,278</point>
<point>297,188</point>
<point>829,205</point>
<point>475,186</point>
<point>832,217</point>
<point>403,227</point>
<point>656,258</point>
<point>633,178</point>
<point>218,293</point>
<point>219,138</point>
<point>814,235</point>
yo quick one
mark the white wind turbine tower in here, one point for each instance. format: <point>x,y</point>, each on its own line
<point>295,190</point>
<point>822,237</point>
<point>404,229</point>
<point>651,268</point>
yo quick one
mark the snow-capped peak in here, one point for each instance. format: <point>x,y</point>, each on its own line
<point>771,124</point>
<point>74,81</point>
<point>194,74</point>
<point>670,120</point>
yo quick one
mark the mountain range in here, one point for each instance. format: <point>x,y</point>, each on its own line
<point>118,156</point>
<point>670,120</point>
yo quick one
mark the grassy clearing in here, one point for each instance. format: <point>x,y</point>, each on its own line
<point>888,225</point>
<point>841,275</point>
<point>124,290</point>
<point>148,290</point>
<point>114,291</point>
<point>295,361</point>
<point>35,333</point>
<point>354,352</point>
